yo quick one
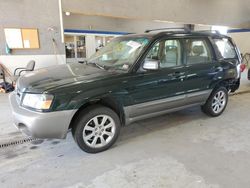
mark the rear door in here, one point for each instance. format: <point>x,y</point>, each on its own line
<point>201,68</point>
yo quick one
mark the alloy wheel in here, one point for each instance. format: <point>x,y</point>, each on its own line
<point>219,102</point>
<point>99,131</point>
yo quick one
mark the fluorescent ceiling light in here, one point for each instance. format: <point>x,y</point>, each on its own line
<point>163,21</point>
<point>67,13</point>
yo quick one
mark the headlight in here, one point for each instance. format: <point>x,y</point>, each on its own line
<point>37,101</point>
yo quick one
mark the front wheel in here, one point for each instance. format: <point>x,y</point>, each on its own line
<point>96,129</point>
<point>216,103</point>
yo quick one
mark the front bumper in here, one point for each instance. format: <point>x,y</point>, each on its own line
<point>39,124</point>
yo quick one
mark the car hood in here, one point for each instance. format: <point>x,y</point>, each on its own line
<point>48,78</point>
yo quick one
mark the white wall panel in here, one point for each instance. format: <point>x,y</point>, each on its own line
<point>12,62</point>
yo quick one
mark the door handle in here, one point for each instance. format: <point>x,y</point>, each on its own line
<point>163,81</point>
<point>177,74</point>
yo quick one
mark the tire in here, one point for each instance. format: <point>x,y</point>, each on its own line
<point>96,129</point>
<point>216,103</point>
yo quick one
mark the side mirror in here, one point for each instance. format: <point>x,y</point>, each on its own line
<point>151,64</point>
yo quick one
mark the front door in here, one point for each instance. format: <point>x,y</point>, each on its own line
<point>153,91</point>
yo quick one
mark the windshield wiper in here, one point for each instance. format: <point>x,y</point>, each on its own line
<point>97,65</point>
<point>101,67</point>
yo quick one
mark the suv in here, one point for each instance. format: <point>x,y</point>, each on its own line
<point>132,78</point>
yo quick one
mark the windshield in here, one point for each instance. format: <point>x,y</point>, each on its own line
<point>119,54</point>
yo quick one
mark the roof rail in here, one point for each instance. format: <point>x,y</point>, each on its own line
<point>208,31</point>
<point>168,29</point>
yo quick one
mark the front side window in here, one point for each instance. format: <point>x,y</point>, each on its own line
<point>197,51</point>
<point>120,53</point>
<point>225,48</point>
<point>167,52</point>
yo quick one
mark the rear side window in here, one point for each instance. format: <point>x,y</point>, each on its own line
<point>225,48</point>
<point>197,51</point>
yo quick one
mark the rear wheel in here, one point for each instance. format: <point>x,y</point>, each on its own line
<point>96,129</point>
<point>216,103</point>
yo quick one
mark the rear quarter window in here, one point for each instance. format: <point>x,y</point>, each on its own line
<point>225,48</point>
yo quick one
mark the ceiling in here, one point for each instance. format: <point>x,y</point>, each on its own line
<point>233,13</point>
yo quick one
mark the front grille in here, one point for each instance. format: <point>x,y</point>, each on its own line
<point>18,96</point>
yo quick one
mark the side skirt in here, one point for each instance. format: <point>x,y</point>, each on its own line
<point>158,107</point>
<point>155,114</point>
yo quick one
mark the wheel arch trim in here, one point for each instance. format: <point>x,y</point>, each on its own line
<point>107,101</point>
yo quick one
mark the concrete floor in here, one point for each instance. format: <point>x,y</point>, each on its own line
<point>182,149</point>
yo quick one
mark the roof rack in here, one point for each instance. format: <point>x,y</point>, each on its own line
<point>208,31</point>
<point>168,29</point>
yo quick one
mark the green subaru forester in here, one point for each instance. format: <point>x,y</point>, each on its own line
<point>134,77</point>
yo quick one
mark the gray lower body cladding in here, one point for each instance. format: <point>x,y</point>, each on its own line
<point>38,124</point>
<point>166,105</point>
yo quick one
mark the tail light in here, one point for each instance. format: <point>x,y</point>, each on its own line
<point>242,67</point>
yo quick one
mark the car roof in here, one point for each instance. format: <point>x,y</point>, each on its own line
<point>202,33</point>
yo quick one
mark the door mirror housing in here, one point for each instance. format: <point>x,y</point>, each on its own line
<point>151,64</point>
